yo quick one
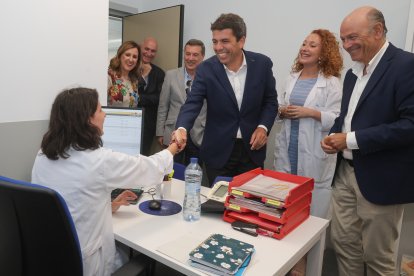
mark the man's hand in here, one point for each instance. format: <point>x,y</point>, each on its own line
<point>258,139</point>
<point>334,143</point>
<point>326,147</point>
<point>178,141</point>
<point>160,140</point>
<point>122,199</point>
<point>180,137</point>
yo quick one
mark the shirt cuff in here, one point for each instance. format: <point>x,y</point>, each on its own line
<point>351,141</point>
<point>182,128</point>
<point>264,127</point>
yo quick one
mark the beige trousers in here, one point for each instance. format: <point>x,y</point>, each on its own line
<point>363,233</point>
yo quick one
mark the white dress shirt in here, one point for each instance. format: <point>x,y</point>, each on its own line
<point>362,80</point>
<point>237,81</point>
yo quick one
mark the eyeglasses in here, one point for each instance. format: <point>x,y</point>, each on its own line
<point>152,192</point>
<point>188,86</point>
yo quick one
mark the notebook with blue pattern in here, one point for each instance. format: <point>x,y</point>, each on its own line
<point>221,253</point>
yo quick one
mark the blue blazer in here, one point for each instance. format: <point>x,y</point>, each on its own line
<point>384,128</point>
<point>259,106</point>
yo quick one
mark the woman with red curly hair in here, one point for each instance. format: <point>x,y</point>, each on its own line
<point>308,107</point>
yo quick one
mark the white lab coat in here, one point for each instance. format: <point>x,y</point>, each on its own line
<point>313,162</point>
<point>85,180</point>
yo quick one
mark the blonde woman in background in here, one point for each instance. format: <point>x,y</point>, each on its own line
<point>123,76</point>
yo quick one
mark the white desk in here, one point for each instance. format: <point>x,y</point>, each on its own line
<point>146,233</point>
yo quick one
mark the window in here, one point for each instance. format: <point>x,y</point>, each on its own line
<point>114,36</point>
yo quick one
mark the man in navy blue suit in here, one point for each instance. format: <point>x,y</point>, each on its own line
<point>240,91</point>
<point>374,139</point>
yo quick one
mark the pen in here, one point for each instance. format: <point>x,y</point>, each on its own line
<point>251,233</point>
<point>265,232</point>
<point>245,227</point>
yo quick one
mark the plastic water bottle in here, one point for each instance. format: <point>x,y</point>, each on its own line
<point>192,203</point>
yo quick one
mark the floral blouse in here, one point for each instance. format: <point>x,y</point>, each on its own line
<point>120,92</point>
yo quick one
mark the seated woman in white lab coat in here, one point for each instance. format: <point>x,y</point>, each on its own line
<point>73,162</point>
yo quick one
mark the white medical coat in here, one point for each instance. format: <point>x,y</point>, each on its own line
<point>313,162</point>
<point>85,180</point>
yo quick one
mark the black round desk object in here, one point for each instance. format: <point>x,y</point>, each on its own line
<point>167,208</point>
<point>154,204</point>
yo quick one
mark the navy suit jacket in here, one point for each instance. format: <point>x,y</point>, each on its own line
<point>149,100</point>
<point>384,128</point>
<point>259,106</point>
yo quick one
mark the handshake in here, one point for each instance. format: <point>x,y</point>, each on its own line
<point>178,140</point>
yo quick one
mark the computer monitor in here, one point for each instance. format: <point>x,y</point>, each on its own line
<point>123,129</point>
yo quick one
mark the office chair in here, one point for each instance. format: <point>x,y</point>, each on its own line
<point>179,171</point>
<point>37,234</point>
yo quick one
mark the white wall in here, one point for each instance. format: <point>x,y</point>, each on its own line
<point>409,41</point>
<point>46,46</point>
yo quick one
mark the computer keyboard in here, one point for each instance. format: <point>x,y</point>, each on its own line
<point>117,192</point>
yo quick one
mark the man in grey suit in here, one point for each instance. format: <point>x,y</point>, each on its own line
<point>177,84</point>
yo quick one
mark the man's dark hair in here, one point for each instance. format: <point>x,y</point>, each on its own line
<point>376,16</point>
<point>230,21</point>
<point>70,125</point>
<point>196,42</point>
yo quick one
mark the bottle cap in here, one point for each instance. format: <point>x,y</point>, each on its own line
<point>193,159</point>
